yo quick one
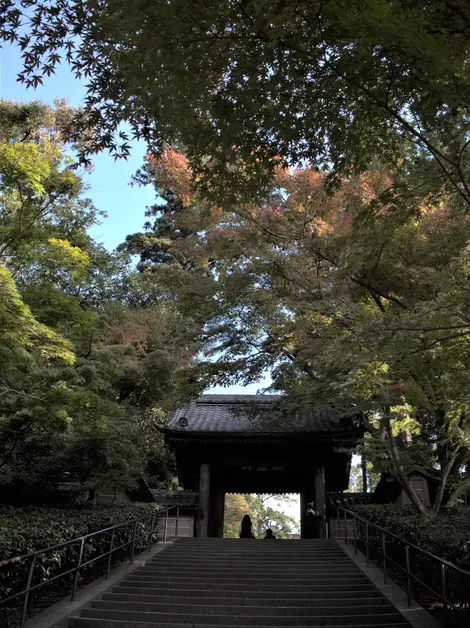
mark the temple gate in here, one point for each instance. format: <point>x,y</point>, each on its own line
<point>222,446</point>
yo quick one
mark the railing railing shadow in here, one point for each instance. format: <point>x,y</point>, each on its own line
<point>438,585</point>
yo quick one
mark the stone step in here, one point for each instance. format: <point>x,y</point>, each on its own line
<point>258,548</point>
<point>261,549</point>
<point>168,553</point>
<point>225,541</point>
<point>240,609</point>
<point>217,541</point>
<point>254,586</point>
<point>89,622</point>
<point>262,552</point>
<point>241,599</point>
<point>248,580</point>
<point>236,570</point>
<point>237,620</point>
<point>241,559</point>
<point>262,558</point>
<point>215,583</point>
<point>213,541</point>
<point>256,545</point>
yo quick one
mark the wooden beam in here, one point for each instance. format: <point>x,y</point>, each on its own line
<point>204,500</point>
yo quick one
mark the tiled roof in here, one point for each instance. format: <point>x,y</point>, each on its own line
<point>241,414</point>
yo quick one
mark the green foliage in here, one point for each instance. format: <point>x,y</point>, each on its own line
<point>354,297</point>
<point>263,515</point>
<point>28,529</point>
<point>24,530</point>
<point>260,83</point>
<point>90,355</point>
<point>21,332</point>
<point>356,478</point>
<point>445,537</point>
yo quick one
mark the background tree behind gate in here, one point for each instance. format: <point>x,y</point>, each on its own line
<point>266,511</point>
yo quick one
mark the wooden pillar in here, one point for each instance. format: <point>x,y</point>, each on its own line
<point>303,509</point>
<point>320,497</point>
<point>204,500</point>
<point>220,513</point>
<point>215,525</point>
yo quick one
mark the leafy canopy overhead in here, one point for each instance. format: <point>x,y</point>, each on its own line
<point>263,82</point>
<point>354,296</point>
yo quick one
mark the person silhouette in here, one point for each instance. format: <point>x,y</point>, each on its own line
<point>311,522</point>
<point>269,534</point>
<point>245,528</point>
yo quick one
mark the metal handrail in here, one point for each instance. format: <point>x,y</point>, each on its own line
<point>154,525</point>
<point>408,546</point>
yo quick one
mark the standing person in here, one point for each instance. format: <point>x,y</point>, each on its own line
<point>245,528</point>
<point>269,534</point>
<point>311,522</point>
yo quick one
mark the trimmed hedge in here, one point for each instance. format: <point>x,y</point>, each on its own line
<point>447,537</point>
<point>24,530</point>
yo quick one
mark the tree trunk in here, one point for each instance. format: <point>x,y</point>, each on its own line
<point>442,484</point>
<point>400,473</point>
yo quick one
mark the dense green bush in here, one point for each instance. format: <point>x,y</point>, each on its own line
<point>447,536</point>
<point>28,529</point>
<point>24,530</point>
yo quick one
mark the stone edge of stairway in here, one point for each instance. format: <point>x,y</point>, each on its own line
<point>417,616</point>
<point>56,616</point>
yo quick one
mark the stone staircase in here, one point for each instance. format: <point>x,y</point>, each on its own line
<point>235,582</point>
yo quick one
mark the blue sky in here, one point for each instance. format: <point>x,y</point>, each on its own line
<point>110,189</point>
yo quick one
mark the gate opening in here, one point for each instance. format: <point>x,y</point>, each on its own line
<point>279,513</point>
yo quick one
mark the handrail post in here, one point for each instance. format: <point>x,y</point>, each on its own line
<point>152,526</point>
<point>177,521</point>
<point>409,587</point>
<point>345,528</point>
<point>134,534</point>
<point>166,526</point>
<point>337,521</point>
<point>355,533</point>
<point>26,595</point>
<point>110,553</point>
<point>367,545</point>
<point>444,586</point>
<point>384,552</point>
<point>77,572</point>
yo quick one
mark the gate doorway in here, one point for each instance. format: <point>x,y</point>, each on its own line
<point>220,448</point>
<point>279,513</point>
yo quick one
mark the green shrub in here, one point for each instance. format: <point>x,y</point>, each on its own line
<point>24,530</point>
<point>447,537</point>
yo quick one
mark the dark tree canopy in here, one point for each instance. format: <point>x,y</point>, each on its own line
<point>339,83</point>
